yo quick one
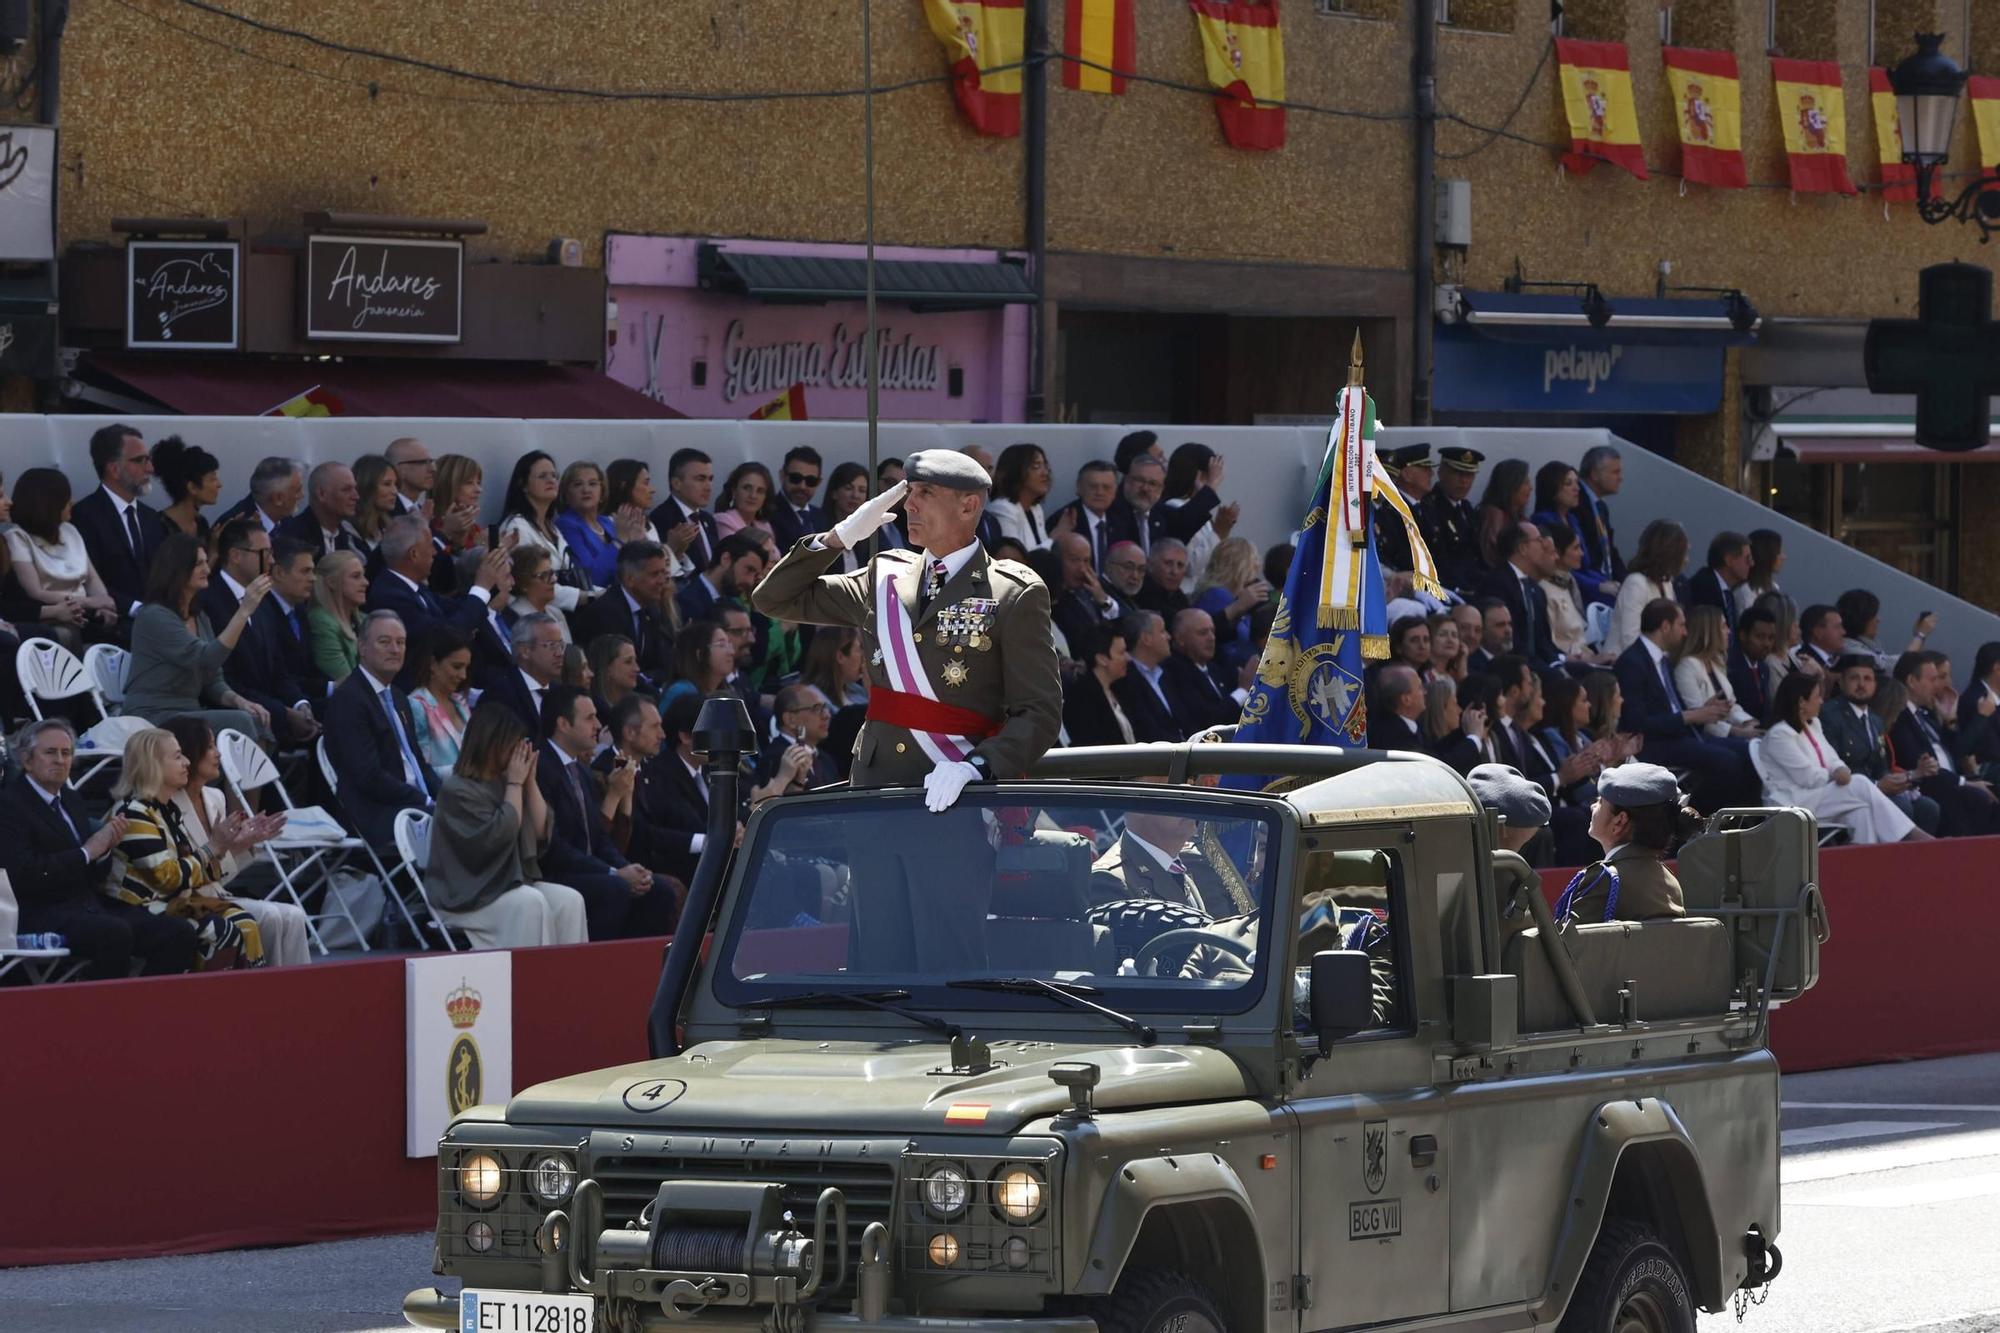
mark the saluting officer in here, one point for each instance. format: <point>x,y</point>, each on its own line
<point>1455,519</point>
<point>962,670</point>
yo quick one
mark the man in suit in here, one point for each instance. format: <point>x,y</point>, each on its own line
<point>1821,638</point>
<point>1142,693</point>
<point>794,515</point>
<point>243,551</point>
<point>1166,567</point>
<point>804,717</point>
<point>1455,518</point>
<point>403,586</point>
<point>416,472</point>
<point>683,519</point>
<point>538,647</point>
<point>271,664</point>
<point>121,535</point>
<point>1917,744</point>
<point>1978,741</point>
<point>1718,767</point>
<point>1496,634</point>
<point>1125,573</point>
<point>621,897</point>
<point>631,607</point>
<point>276,487</point>
<point>493,636</point>
<point>1196,690</point>
<point>965,672</point>
<point>1858,737</point>
<point>1153,858</point>
<point>654,836</point>
<point>1749,662</point>
<point>57,861</point>
<point>1601,474</point>
<point>737,567</point>
<point>327,525</point>
<point>1715,583</point>
<point>1094,515</point>
<point>1082,607</point>
<point>1395,722</point>
<point>369,739</point>
<point>1526,557</point>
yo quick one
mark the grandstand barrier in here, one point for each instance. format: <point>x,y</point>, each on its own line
<point>185,1114</point>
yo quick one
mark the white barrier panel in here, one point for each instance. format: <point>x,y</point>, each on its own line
<point>458,1040</point>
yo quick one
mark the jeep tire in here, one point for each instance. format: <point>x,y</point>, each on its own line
<point>1633,1282</point>
<point>1159,1300</point>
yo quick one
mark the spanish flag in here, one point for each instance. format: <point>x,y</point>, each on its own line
<point>1098,36</point>
<point>1899,178</point>
<point>1984,90</point>
<point>314,402</point>
<point>1813,112</point>
<point>983,40</point>
<point>787,406</point>
<point>1597,94</point>
<point>1244,51</point>
<point>1708,109</point>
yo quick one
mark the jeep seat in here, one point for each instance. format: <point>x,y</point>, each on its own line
<point>1680,967</point>
<point>1037,921</point>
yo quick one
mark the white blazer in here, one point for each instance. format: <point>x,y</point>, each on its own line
<point>1794,773</point>
<point>1698,684</point>
<point>1014,522</point>
<point>1633,594</point>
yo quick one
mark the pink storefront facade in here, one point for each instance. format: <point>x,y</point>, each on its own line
<point>719,354</point>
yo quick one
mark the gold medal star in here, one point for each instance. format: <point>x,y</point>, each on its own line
<point>956,673</point>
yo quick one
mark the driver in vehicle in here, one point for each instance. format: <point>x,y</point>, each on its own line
<point>1156,857</point>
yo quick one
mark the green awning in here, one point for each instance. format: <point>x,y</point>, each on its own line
<point>926,284</point>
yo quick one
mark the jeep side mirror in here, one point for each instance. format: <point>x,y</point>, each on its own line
<point>1342,998</point>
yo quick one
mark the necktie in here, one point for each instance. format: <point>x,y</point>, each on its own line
<point>59,808</point>
<point>1527,644</point>
<point>576,786</point>
<point>132,532</point>
<point>1097,543</point>
<point>1177,866</point>
<point>292,619</point>
<point>412,769</point>
<point>1673,695</point>
<point>935,583</point>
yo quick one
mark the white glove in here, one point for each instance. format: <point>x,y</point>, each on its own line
<point>943,784</point>
<point>863,523</point>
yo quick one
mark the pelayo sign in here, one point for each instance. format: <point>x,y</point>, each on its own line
<point>1583,375</point>
<point>370,289</point>
<point>182,294</point>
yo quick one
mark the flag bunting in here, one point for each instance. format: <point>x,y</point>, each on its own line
<point>1101,33</point>
<point>1813,112</point>
<point>1708,111</point>
<point>1597,97</point>
<point>1984,92</point>
<point>1243,50</point>
<point>983,41</point>
<point>1898,178</point>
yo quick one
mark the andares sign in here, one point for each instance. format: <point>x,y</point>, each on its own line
<point>183,295</point>
<point>383,289</point>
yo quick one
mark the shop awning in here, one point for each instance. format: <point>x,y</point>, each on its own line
<point>234,386</point>
<point>1669,322</point>
<point>927,284</point>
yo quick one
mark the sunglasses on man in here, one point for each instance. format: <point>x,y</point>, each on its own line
<point>802,478</point>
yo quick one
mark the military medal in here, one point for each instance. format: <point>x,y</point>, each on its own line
<point>956,673</point>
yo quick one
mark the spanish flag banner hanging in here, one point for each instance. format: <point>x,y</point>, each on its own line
<point>1813,112</point>
<point>314,402</point>
<point>1098,36</point>
<point>1244,52</point>
<point>1597,95</point>
<point>1708,109</point>
<point>787,406</point>
<point>983,35</point>
<point>1899,178</point>
<point>1984,90</point>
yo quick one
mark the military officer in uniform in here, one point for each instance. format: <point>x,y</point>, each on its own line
<point>1412,469</point>
<point>1639,815</point>
<point>963,672</point>
<point>1455,519</point>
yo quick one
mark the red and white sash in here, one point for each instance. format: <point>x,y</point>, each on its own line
<point>905,668</point>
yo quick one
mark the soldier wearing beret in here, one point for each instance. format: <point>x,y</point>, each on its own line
<point>1638,817</point>
<point>962,664</point>
<point>1455,518</point>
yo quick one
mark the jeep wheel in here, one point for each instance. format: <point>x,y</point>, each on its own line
<point>1632,1283</point>
<point>1158,1300</point>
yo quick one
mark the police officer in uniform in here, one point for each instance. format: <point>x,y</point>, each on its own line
<point>1455,518</point>
<point>1639,816</point>
<point>1412,469</point>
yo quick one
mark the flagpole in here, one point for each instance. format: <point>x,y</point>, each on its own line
<point>868,263</point>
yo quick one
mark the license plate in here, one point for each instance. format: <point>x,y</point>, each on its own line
<point>523,1312</point>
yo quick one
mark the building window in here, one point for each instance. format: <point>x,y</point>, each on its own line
<point>1358,9</point>
<point>1903,514</point>
<point>1477,15</point>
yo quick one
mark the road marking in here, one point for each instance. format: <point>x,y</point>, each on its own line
<point>1968,1108</point>
<point>1910,1196</point>
<point>1860,1129</point>
<point>1832,1164</point>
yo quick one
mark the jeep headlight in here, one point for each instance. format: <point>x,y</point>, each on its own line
<point>551,1178</point>
<point>946,1190</point>
<point>481,1179</point>
<point>1017,1194</point>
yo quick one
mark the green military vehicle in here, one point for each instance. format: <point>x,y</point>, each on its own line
<point>1029,1064</point>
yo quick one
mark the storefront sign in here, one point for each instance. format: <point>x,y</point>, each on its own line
<point>458,1014</point>
<point>753,370</point>
<point>182,294</point>
<point>27,192</point>
<point>367,289</point>
<point>28,345</point>
<point>1474,373</point>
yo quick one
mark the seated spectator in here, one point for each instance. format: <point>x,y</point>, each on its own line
<point>1822,642</point>
<point>528,514</point>
<point>484,876</point>
<point>793,514</point>
<point>1607,706</point>
<point>1857,721</point>
<point>536,589</point>
<point>846,490</point>
<point>1728,569</point>
<point>369,738</point>
<point>621,897</point>
<point>56,860</point>
<point>1410,644</point>
<point>1166,569</point>
<point>1143,691</point>
<point>240,552</point>
<point>1509,492</point>
<point>1662,554</point>
<point>1395,718</point>
<point>791,761</point>
<point>1564,729</point>
<point>1603,474</point>
<point>1232,588</point>
<point>1978,739</point>
<point>1767,557</point>
<point>1021,481</point>
<point>1091,713</point>
<point>272,663</point>
<point>704,659</point>
<point>1639,817</point>
<point>1452,734</point>
<point>1092,516</point>
<point>53,565</point>
<point>120,535</point>
<point>1701,673</point>
<point>1200,694</point>
<point>439,710</point>
<point>416,475</point>
<point>1448,650</point>
<point>277,485</point>
<point>592,534</point>
<point>1194,482</point>
<point>1495,634</point>
<point>538,650</point>
<point>20,617</point>
<point>333,622</point>
<point>746,506</point>
<point>836,666</point>
<point>1558,501</point>
<point>1718,767</point>
<point>576,669</point>
<point>1125,572</point>
<point>1453,519</point>
<point>633,608</point>
<point>1139,494</point>
<point>1801,767</point>
<point>1568,625</point>
<point>454,514</point>
<point>1861,624</point>
<point>1525,559</point>
<point>1966,808</point>
<point>403,586</point>
<point>680,830</point>
<point>157,868</point>
<point>1079,605</point>
<point>327,522</point>
<point>192,478</point>
<point>380,499</point>
<point>1751,679</point>
<point>177,659</point>
<point>1480,718</point>
<point>740,564</point>
<point>614,670</point>
<point>205,811</point>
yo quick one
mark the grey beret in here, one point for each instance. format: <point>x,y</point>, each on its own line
<point>1631,786</point>
<point>1504,790</point>
<point>946,467</point>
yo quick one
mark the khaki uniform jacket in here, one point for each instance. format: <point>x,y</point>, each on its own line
<point>1006,669</point>
<point>1646,888</point>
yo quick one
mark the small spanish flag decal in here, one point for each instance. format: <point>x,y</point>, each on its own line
<point>967,1113</point>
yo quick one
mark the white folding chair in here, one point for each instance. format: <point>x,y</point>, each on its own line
<point>37,965</point>
<point>302,863</point>
<point>1596,625</point>
<point>109,666</point>
<point>411,870</point>
<point>413,845</point>
<point>50,673</point>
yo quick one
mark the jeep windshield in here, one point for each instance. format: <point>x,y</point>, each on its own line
<point>1142,902</point>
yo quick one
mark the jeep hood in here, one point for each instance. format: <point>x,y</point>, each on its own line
<point>863,1087</point>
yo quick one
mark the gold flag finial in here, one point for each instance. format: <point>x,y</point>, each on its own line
<point>1354,363</point>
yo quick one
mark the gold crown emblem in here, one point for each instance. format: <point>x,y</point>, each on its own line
<point>462,1005</point>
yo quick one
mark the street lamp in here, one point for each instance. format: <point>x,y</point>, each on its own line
<point>1928,86</point>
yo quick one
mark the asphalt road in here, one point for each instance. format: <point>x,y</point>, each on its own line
<point>1891,1222</point>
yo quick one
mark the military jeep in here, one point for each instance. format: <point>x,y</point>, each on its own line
<point>1128,1046</point>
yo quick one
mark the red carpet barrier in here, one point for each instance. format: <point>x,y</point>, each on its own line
<point>182,1114</point>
